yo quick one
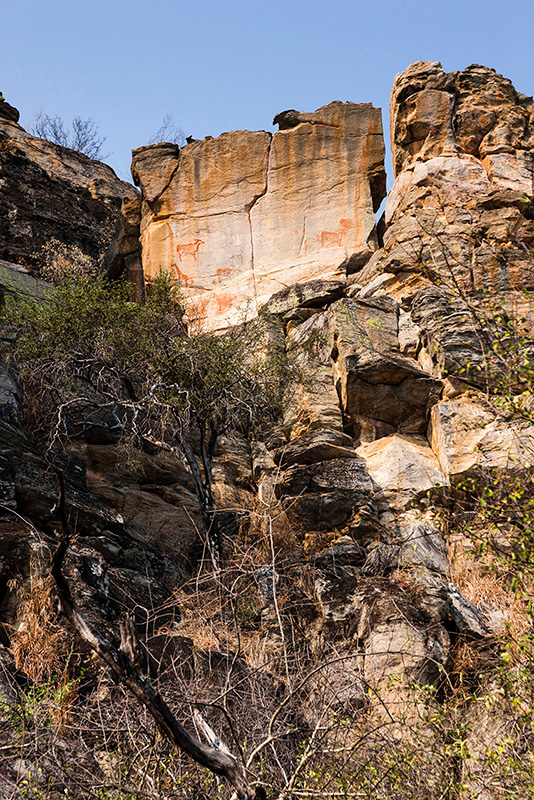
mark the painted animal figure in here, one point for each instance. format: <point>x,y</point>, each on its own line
<point>182,277</point>
<point>332,238</point>
<point>189,249</point>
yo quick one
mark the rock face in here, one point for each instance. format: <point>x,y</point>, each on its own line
<point>237,218</point>
<point>464,172</point>
<point>60,209</point>
<point>399,385</point>
<point>398,360</point>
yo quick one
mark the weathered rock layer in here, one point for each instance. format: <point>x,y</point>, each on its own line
<point>401,381</point>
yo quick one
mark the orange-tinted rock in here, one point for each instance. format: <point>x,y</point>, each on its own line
<point>237,218</point>
<point>316,219</point>
<point>198,227</point>
<point>461,209</point>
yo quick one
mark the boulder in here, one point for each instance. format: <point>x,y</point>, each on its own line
<point>313,294</point>
<point>469,433</point>
<point>403,468</point>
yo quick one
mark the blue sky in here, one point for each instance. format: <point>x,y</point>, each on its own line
<point>218,66</point>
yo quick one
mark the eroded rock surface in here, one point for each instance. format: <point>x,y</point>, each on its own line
<point>62,210</point>
<point>461,205</point>
<point>237,218</point>
<point>403,359</point>
<point>394,368</point>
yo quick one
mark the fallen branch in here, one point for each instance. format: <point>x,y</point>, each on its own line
<point>124,664</point>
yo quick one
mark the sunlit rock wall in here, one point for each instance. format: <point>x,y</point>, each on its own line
<point>237,218</point>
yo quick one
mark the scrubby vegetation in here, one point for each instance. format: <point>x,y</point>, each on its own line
<point>302,721</point>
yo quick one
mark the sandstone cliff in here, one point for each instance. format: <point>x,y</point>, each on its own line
<point>356,619</point>
<point>235,219</point>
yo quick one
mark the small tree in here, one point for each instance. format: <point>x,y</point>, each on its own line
<point>168,132</point>
<point>82,136</point>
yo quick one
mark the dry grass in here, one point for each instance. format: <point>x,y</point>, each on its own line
<point>481,579</point>
<point>39,645</point>
<point>42,649</point>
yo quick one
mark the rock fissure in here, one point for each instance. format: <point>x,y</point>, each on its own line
<point>307,209</point>
<point>248,210</point>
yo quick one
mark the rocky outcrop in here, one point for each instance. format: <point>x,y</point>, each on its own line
<point>461,207</point>
<point>398,386</point>
<point>381,344</point>
<point>236,218</point>
<point>396,358</point>
<point>63,211</point>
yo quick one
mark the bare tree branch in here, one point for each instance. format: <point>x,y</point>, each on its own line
<point>122,662</point>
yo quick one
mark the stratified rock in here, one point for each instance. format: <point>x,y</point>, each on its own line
<point>61,209</point>
<point>10,395</point>
<point>469,620</point>
<point>343,553</point>
<point>381,390</point>
<point>450,338</point>
<point>463,150</point>
<point>326,494</point>
<point>18,281</point>
<point>317,445</point>
<point>424,547</point>
<point>153,496</point>
<point>396,635</point>
<point>311,400</point>
<point>310,295</point>
<point>236,218</point>
<point>9,689</point>
<point>232,473</point>
<point>7,111</point>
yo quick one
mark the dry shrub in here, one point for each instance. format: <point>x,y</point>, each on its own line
<point>39,644</point>
<point>211,608</point>
<point>407,580</point>
<point>272,532</point>
<point>482,580</point>
<point>316,541</point>
<point>61,260</point>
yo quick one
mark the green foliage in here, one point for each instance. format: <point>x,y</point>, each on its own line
<point>87,344</point>
<point>88,317</point>
<point>495,512</point>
